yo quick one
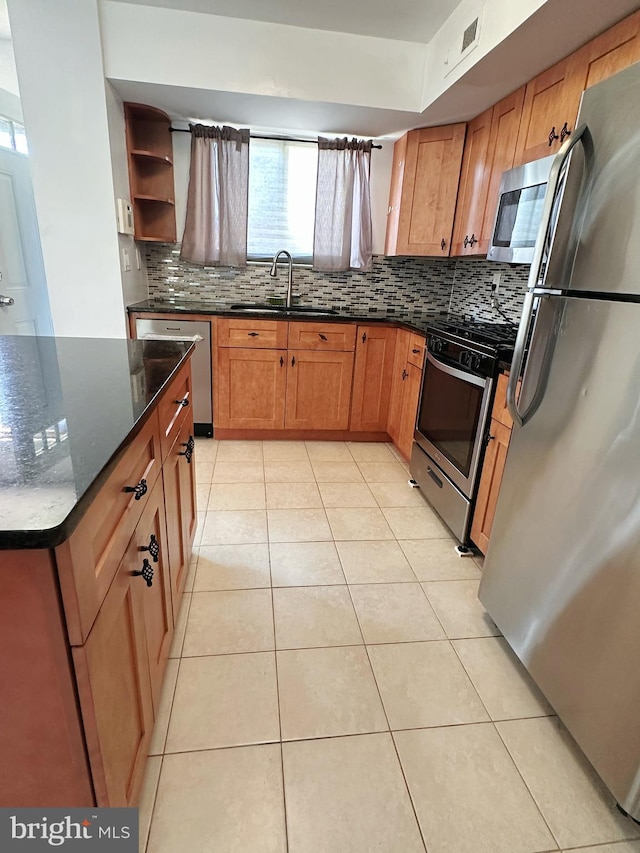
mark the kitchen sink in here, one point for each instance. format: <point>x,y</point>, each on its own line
<point>309,311</point>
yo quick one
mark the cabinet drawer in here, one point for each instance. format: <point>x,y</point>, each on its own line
<point>258,334</point>
<point>416,350</point>
<point>88,560</point>
<point>323,336</point>
<point>174,408</point>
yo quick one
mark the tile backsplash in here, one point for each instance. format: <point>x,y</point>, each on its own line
<point>395,285</point>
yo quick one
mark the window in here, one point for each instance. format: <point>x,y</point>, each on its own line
<point>12,136</point>
<point>282,198</point>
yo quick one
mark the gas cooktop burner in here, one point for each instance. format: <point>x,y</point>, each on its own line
<point>497,335</point>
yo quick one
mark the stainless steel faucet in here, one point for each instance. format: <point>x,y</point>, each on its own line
<point>273,272</point>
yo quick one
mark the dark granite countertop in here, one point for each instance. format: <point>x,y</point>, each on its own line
<point>414,321</point>
<point>69,407</point>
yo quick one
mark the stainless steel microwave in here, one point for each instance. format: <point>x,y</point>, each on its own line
<point>520,202</point>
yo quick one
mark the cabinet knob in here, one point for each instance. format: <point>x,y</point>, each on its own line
<point>146,573</point>
<point>322,337</point>
<point>553,136</point>
<point>404,375</point>
<point>140,490</point>
<point>183,402</point>
<point>153,548</point>
<point>253,334</point>
<point>564,132</point>
<point>489,438</point>
<point>443,244</point>
<point>293,360</point>
<point>364,337</point>
<point>188,453</point>
<point>281,361</point>
<point>472,240</point>
<point>415,351</point>
<point>465,242</point>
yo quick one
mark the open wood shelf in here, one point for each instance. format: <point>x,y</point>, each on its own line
<point>151,155</point>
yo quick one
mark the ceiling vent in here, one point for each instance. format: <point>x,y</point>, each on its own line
<point>470,35</point>
<point>467,42</point>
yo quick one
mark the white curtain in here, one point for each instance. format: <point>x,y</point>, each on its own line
<point>342,238</point>
<point>215,231</point>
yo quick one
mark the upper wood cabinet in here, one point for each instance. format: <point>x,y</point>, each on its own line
<point>372,375</point>
<point>613,50</point>
<point>150,156</point>
<point>472,193</point>
<point>424,187</point>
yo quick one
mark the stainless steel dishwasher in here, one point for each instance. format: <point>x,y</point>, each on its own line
<point>188,330</point>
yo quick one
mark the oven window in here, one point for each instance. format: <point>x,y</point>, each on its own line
<point>449,415</point>
<point>519,215</point>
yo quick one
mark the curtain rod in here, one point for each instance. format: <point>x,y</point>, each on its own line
<point>258,136</point>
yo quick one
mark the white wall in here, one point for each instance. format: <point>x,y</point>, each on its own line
<point>134,281</point>
<point>59,62</point>
<point>381,161</point>
<point>150,44</point>
<point>8,75</point>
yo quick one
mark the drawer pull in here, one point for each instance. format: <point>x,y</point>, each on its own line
<point>415,351</point>
<point>404,375</point>
<point>472,240</point>
<point>435,478</point>
<point>293,360</point>
<point>322,337</point>
<point>183,402</point>
<point>153,548</point>
<point>253,334</point>
<point>188,453</point>
<point>140,490</point>
<point>146,573</point>
<point>281,361</point>
<point>364,337</point>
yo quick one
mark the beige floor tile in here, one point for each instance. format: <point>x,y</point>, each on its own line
<point>328,451</point>
<point>296,471</point>
<point>191,571</point>
<point>569,794</point>
<point>227,801</point>
<point>148,798</point>
<point>620,847</point>
<point>395,613</point>
<point>358,524</point>
<point>202,494</point>
<point>235,527</point>
<point>459,609</point>
<point>383,472</point>
<point>467,793</point>
<point>374,562</point>
<point>336,472</point>
<point>347,795</point>
<point>284,451</point>
<point>436,560</point>
<point>239,451</point>
<point>232,567</point>
<point>206,450</point>
<point>199,528</point>
<point>233,496</point>
<point>161,723</point>
<point>371,451</point>
<point>238,472</point>
<point>396,494</point>
<point>293,496</point>
<point>328,692</point>
<point>181,626</point>
<point>346,495</point>
<point>424,684</point>
<point>415,522</point>
<point>315,616</point>
<point>227,700</point>
<point>504,685</point>
<point>298,525</point>
<point>204,472</point>
<point>229,622</point>
<point>305,564</point>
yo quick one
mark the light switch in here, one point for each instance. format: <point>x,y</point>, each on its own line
<point>126,261</point>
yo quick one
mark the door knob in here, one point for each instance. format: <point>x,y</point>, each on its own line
<point>6,300</point>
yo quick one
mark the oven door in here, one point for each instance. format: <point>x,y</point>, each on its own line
<point>451,419</point>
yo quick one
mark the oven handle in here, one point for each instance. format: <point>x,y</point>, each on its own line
<point>454,371</point>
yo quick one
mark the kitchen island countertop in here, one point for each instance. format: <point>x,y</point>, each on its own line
<point>69,408</point>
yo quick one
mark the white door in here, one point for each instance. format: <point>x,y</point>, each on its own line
<point>24,302</point>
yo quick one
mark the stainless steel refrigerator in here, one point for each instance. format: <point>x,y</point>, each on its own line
<point>562,574</point>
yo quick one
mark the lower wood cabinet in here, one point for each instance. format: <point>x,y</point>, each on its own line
<point>405,390</point>
<point>250,388</point>
<point>178,473</point>
<point>410,399</point>
<point>372,377</point>
<point>318,390</point>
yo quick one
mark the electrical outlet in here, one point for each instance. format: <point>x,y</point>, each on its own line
<point>495,284</point>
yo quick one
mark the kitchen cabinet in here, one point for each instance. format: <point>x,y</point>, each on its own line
<point>498,439</point>
<point>150,159</point>
<point>318,393</point>
<point>372,377</point>
<point>250,387</point>
<point>339,337</point>
<point>257,334</point>
<point>472,193</point>
<point>422,202</point>
<point>405,390</point>
<point>613,50</point>
<point>88,621</point>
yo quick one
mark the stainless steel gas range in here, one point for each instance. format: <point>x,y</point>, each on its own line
<point>454,411</point>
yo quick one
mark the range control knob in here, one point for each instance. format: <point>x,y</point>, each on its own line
<point>437,344</point>
<point>464,357</point>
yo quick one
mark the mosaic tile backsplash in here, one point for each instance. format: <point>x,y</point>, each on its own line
<point>395,285</point>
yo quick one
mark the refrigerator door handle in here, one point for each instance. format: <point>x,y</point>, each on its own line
<point>543,247</point>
